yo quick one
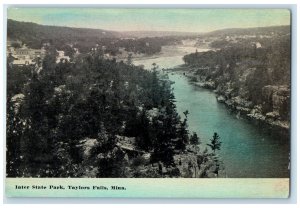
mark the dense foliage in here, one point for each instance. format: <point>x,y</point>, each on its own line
<point>34,34</point>
<point>52,115</point>
<point>253,31</point>
<point>62,38</point>
<point>245,69</point>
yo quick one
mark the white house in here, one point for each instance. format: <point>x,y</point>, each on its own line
<point>61,57</point>
<point>258,45</point>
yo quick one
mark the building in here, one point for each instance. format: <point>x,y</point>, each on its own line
<point>28,53</point>
<point>258,45</point>
<point>61,57</point>
<point>24,55</point>
<point>23,62</point>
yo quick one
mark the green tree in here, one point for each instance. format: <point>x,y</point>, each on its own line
<point>129,59</point>
<point>194,139</point>
<point>183,133</point>
<point>16,45</point>
<point>215,143</point>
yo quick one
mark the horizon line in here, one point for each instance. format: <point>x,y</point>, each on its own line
<point>174,31</point>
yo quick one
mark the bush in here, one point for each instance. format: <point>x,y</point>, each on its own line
<point>138,161</point>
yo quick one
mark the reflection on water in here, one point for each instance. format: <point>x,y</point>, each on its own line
<point>171,56</point>
<point>246,150</point>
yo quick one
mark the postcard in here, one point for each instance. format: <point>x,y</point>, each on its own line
<point>148,102</point>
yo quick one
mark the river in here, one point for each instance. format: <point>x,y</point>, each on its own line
<point>247,151</point>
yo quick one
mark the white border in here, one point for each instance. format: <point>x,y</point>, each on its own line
<point>183,3</point>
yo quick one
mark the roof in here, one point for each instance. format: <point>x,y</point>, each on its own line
<point>16,97</point>
<point>19,62</point>
<point>22,62</point>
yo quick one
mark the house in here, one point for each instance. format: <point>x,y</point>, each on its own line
<point>26,56</point>
<point>23,62</point>
<point>258,45</point>
<point>28,53</point>
<point>61,57</point>
<point>22,53</point>
<point>60,53</point>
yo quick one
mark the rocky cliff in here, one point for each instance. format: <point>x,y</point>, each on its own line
<point>253,82</point>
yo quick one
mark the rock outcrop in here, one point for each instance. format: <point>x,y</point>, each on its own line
<point>254,82</point>
<point>266,105</point>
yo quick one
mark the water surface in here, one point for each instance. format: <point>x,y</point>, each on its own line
<point>247,150</point>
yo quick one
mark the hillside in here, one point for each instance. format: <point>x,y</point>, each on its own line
<point>146,42</point>
<point>33,34</point>
<point>251,76</point>
<point>280,30</point>
<point>96,117</point>
<point>142,34</point>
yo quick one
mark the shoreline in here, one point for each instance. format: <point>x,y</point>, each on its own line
<point>237,107</point>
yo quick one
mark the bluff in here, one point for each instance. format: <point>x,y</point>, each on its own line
<point>252,79</point>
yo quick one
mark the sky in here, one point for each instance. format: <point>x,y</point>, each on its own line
<point>156,19</point>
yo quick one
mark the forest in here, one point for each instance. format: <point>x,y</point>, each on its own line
<point>251,76</point>
<point>252,31</point>
<point>33,34</point>
<point>68,38</point>
<point>67,121</point>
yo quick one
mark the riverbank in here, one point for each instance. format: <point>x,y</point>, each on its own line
<point>247,151</point>
<point>243,109</point>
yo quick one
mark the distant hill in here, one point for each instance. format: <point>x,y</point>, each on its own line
<point>143,34</point>
<point>280,30</point>
<point>33,34</point>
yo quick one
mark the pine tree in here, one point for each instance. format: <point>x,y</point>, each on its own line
<point>183,133</point>
<point>215,143</point>
<point>194,139</point>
